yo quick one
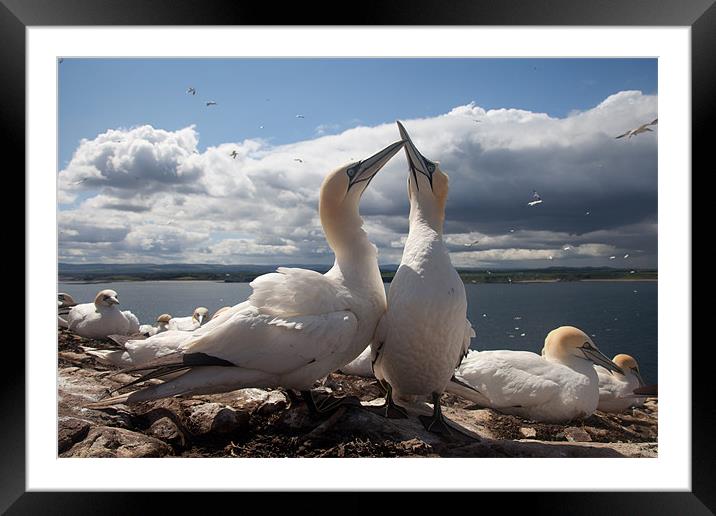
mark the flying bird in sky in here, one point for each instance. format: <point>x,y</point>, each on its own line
<point>300,116</point>
<point>210,103</point>
<point>234,154</point>
<point>641,129</point>
<point>536,199</point>
<point>298,159</point>
<point>191,91</point>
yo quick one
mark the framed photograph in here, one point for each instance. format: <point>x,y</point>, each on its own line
<point>178,151</point>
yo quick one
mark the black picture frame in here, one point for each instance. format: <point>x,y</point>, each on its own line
<point>17,15</point>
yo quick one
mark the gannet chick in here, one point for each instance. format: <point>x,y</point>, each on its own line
<point>425,333</point>
<point>102,318</point>
<point>298,325</point>
<point>190,323</point>
<point>161,326</point>
<point>616,389</point>
<point>559,386</point>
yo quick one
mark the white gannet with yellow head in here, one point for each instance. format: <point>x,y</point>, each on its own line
<point>425,333</point>
<point>616,391</point>
<point>189,323</point>
<point>162,325</point>
<point>101,318</point>
<point>298,325</point>
<point>559,386</point>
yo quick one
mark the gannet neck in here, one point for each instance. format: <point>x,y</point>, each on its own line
<point>426,216</point>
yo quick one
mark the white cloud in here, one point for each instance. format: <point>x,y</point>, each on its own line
<point>148,195</point>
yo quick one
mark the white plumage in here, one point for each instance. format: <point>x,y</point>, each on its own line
<point>560,386</point>
<point>424,333</point>
<point>614,388</point>
<point>102,318</point>
<point>298,325</point>
<point>361,366</point>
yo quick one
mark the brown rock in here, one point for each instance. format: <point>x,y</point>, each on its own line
<point>70,430</point>
<point>576,434</point>
<point>105,441</point>
<point>528,432</point>
<point>214,418</point>
<point>167,430</point>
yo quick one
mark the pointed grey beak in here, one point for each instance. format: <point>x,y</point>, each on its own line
<point>601,359</point>
<point>416,161</point>
<point>363,171</point>
<point>201,318</point>
<point>113,300</point>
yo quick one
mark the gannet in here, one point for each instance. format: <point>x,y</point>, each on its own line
<point>210,103</point>
<point>300,116</point>
<point>189,323</point>
<point>558,386</point>
<point>234,154</point>
<point>616,390</point>
<point>161,326</point>
<point>425,333</point>
<point>101,318</point>
<point>536,199</point>
<point>641,129</point>
<point>298,325</point>
<point>65,302</point>
<point>191,91</point>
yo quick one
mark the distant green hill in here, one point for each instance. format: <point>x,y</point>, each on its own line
<point>244,273</point>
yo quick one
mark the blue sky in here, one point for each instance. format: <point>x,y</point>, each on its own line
<point>97,94</point>
<point>145,172</point>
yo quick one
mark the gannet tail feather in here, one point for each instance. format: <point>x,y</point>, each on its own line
<point>62,323</point>
<point>115,357</point>
<point>456,386</point>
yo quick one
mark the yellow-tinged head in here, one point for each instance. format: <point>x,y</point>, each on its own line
<point>428,185</point>
<point>106,298</point>
<point>341,192</point>
<point>567,342</point>
<point>200,314</point>
<point>164,318</point>
<point>628,363</point>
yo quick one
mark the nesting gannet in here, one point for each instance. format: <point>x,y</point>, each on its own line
<point>101,318</point>
<point>298,325</point>
<point>616,390</point>
<point>161,326</point>
<point>425,333</point>
<point>361,366</point>
<point>65,302</point>
<point>641,129</point>
<point>189,323</point>
<point>536,199</point>
<point>558,386</point>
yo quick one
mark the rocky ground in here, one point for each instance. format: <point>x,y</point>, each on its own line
<point>264,423</point>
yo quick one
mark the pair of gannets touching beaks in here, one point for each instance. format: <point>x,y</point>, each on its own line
<point>298,325</point>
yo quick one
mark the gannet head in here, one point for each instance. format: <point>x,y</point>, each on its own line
<point>64,299</point>
<point>427,184</point>
<point>628,363</point>
<point>567,342</point>
<point>106,298</point>
<point>164,318</point>
<point>342,189</point>
<point>222,309</point>
<point>200,314</point>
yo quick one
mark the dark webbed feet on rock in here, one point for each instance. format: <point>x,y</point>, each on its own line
<point>389,409</point>
<point>326,404</point>
<point>435,423</point>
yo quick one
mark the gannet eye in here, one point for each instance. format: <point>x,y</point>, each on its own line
<point>351,171</point>
<point>430,165</point>
<point>587,345</point>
